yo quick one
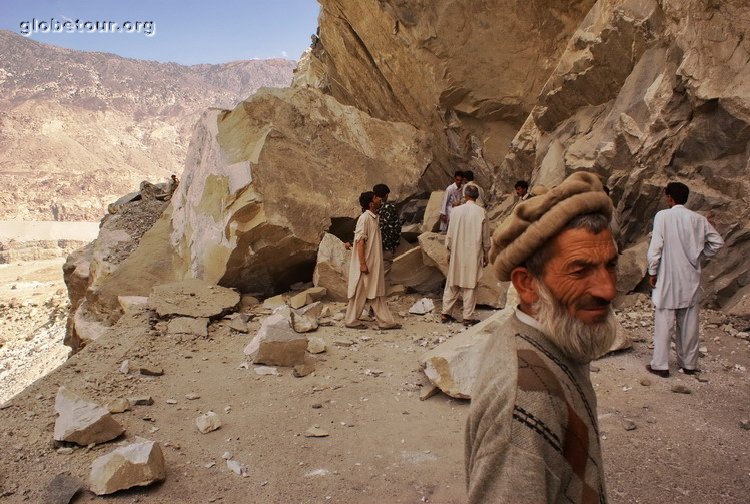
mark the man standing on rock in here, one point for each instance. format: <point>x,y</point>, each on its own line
<point>390,226</point>
<point>532,434</point>
<point>468,241</point>
<point>366,281</point>
<point>680,241</point>
<point>453,197</point>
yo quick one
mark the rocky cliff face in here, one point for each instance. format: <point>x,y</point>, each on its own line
<point>69,120</point>
<point>638,91</point>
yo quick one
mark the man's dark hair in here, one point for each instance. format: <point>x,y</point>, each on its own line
<point>592,222</point>
<point>381,190</point>
<point>365,199</point>
<point>458,173</point>
<point>521,183</point>
<point>472,192</point>
<point>469,175</point>
<point>678,191</point>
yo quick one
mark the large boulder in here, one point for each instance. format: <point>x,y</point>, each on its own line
<point>431,219</point>
<point>410,271</point>
<point>332,267</point>
<point>264,181</point>
<point>277,343</point>
<point>632,266</point>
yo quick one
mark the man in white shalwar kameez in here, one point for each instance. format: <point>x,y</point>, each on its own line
<point>468,241</point>
<point>680,241</point>
<point>366,272</point>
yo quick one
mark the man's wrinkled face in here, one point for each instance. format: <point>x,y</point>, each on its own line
<point>520,191</point>
<point>581,273</point>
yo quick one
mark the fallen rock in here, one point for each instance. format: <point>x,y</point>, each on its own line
<point>431,219</point>
<point>316,431</point>
<point>332,267</point>
<point>208,422</point>
<point>248,302</point>
<point>141,400</point>
<point>422,307</point>
<point>188,325</point>
<point>629,425</point>
<point>238,324</point>
<point>428,392</point>
<point>277,344</point>
<point>745,424</point>
<point>120,405</point>
<point>266,371</point>
<point>149,371</point>
<point>681,389</point>
<point>632,266</point>
<point>453,365</point>
<point>193,298</point>
<point>62,489</point>
<point>307,297</point>
<point>138,464</point>
<point>83,422</point>
<point>237,468</point>
<point>274,302</point>
<point>410,271</point>
<point>303,323</point>
<point>314,310</point>
<point>304,369</point>
<point>315,345</point>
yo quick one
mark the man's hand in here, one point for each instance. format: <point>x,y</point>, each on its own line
<point>347,245</point>
<point>363,268</point>
<point>652,281</point>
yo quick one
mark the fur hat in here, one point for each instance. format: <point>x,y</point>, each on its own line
<point>537,219</point>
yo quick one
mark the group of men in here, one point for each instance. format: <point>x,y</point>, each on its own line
<point>532,433</point>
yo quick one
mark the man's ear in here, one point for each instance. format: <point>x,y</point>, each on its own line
<point>525,285</point>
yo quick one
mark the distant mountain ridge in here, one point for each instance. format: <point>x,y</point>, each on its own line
<point>78,129</point>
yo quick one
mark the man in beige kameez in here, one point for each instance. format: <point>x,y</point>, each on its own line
<point>468,241</point>
<point>366,272</point>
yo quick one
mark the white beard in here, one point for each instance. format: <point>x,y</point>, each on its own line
<point>579,341</point>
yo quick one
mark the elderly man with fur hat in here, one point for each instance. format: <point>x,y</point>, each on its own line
<point>532,434</point>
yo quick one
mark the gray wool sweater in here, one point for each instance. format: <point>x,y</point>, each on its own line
<point>532,435</point>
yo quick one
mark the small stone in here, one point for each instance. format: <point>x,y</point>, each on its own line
<point>422,307</point>
<point>373,372</point>
<point>315,345</point>
<point>171,401</point>
<point>209,465</point>
<point>428,392</point>
<point>152,371</point>
<point>317,406</point>
<point>630,425</point>
<point>208,422</point>
<point>343,343</point>
<point>315,431</point>
<point>266,370</point>
<point>138,464</point>
<point>594,369</point>
<point>681,389</point>
<point>745,424</point>
<point>119,405</point>
<point>65,450</point>
<point>142,400</point>
<point>304,369</point>
<point>338,316</point>
<point>61,490</point>
<point>227,455</point>
<point>83,422</point>
<point>125,366</point>
<point>237,468</point>
<point>192,396</point>
<point>646,382</point>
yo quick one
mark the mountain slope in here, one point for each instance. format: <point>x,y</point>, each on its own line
<point>78,129</point>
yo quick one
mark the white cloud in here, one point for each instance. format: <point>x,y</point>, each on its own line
<point>284,54</point>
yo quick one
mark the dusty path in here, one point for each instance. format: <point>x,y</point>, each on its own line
<point>384,444</point>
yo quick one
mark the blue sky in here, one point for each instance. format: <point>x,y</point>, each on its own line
<point>187,31</point>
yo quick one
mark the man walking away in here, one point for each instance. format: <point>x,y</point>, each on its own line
<point>451,199</point>
<point>366,280</point>
<point>468,241</point>
<point>680,241</point>
<point>469,181</point>
<point>390,226</point>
